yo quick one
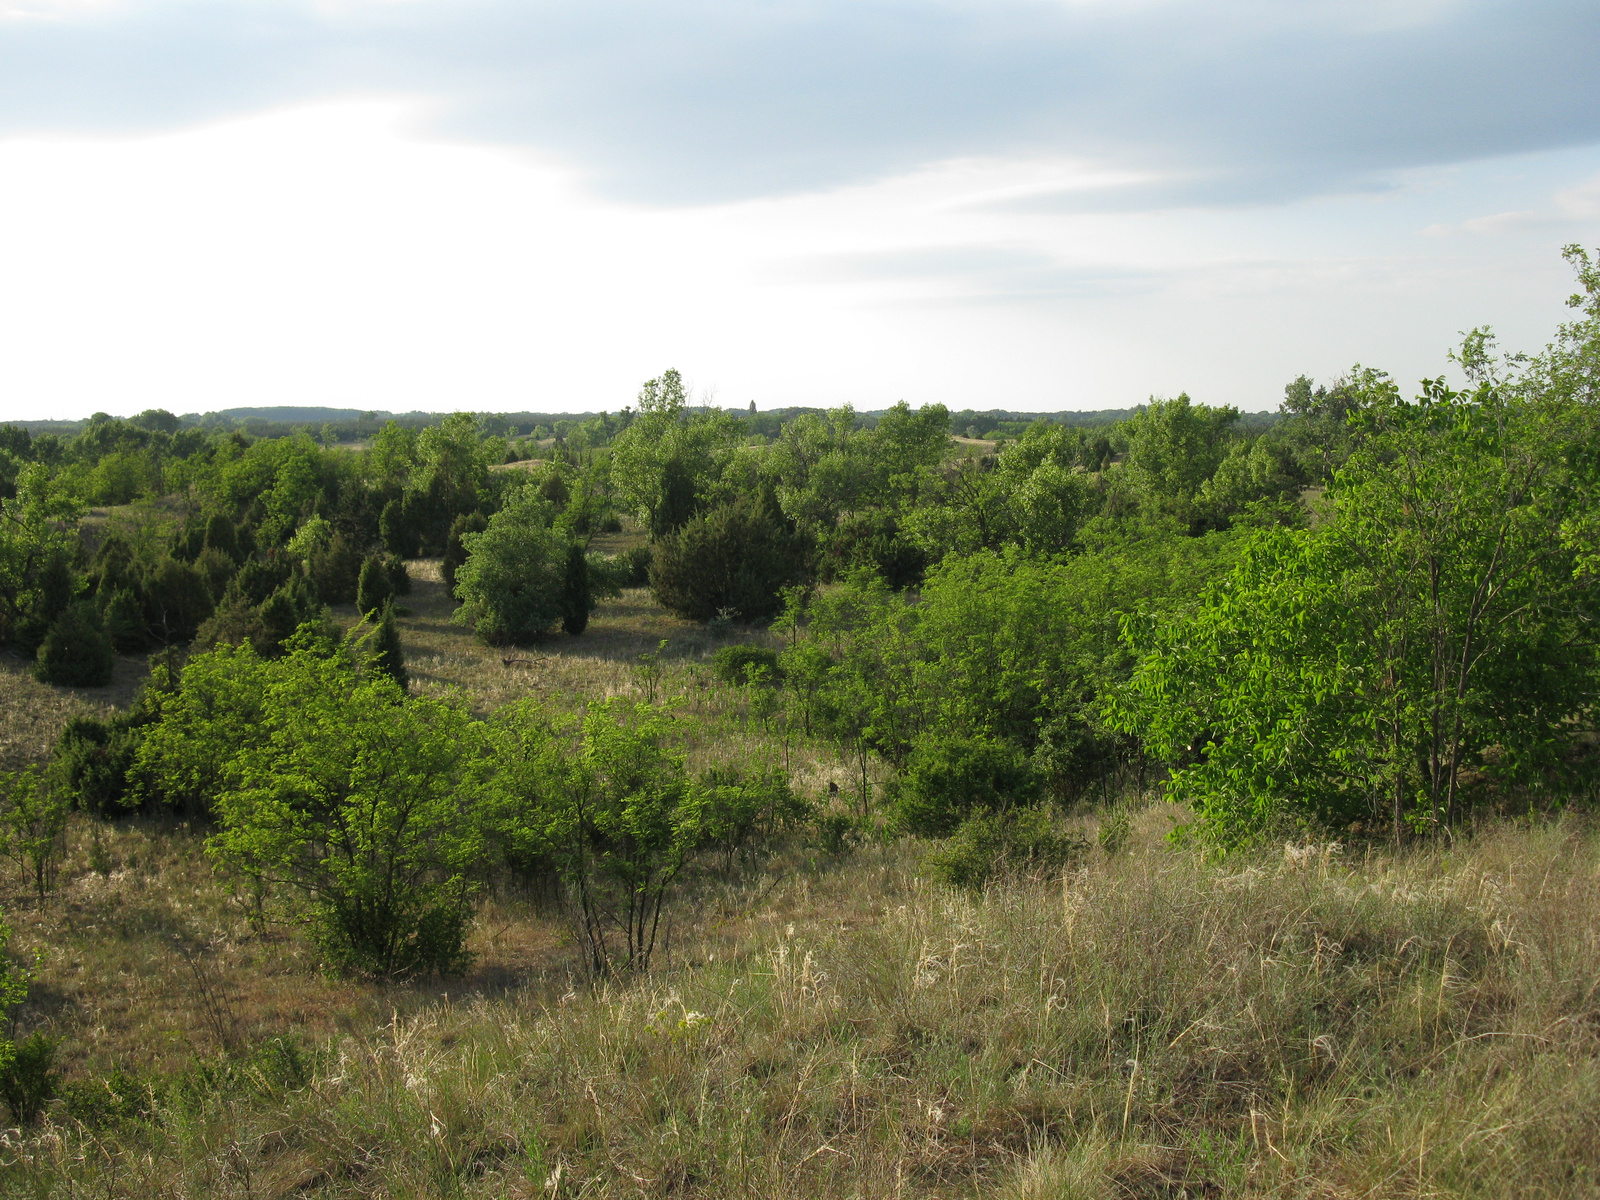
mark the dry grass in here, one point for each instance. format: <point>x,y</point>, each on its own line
<point>566,672</point>
<point>1152,1025</point>
<point>32,713</point>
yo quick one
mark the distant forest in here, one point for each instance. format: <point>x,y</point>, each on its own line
<point>353,425</point>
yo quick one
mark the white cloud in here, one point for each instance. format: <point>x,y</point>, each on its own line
<point>326,255</point>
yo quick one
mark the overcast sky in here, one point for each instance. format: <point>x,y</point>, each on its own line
<point>1020,204</point>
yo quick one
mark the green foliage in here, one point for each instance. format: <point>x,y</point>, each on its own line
<point>57,585</point>
<point>1433,627</point>
<point>399,577</point>
<point>397,532</point>
<point>637,560</point>
<point>125,624</point>
<point>92,761</point>
<point>76,651</point>
<point>387,656</point>
<point>989,844</point>
<point>873,539</point>
<point>1174,448</point>
<point>1035,495</point>
<point>14,980</point>
<point>29,1081</point>
<point>374,589</point>
<point>744,664</point>
<point>221,536</point>
<point>176,601</point>
<point>35,816</point>
<point>217,569</point>
<point>616,819</point>
<point>455,549</point>
<point>741,816</point>
<point>576,598</point>
<point>948,779</point>
<point>664,464</point>
<point>736,558</point>
<point>511,584</point>
<point>335,571</point>
<point>364,801</point>
<point>198,728</point>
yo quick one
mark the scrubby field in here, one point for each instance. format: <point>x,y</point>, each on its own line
<point>1306,1021</point>
<point>1312,1021</point>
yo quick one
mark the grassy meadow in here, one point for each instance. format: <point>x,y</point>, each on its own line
<point>1309,1020</point>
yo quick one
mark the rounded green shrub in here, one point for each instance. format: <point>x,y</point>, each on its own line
<point>735,560</point>
<point>512,582</point>
<point>76,651</point>
<point>733,664</point>
<point>947,779</point>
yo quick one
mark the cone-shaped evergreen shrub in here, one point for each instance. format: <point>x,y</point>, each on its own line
<point>75,652</point>
<point>284,611</point>
<point>336,571</point>
<point>399,534</point>
<point>221,536</point>
<point>125,623</point>
<point>374,589</point>
<point>399,577</point>
<point>387,656</point>
<point>576,600</point>
<point>176,601</point>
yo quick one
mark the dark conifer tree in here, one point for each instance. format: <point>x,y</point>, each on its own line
<point>374,589</point>
<point>575,598</point>
<point>76,651</point>
<point>387,656</point>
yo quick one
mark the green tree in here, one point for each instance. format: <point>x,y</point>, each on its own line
<point>38,527</point>
<point>511,583</point>
<point>736,558</point>
<point>1436,623</point>
<point>176,601</point>
<point>124,621</point>
<point>387,655</point>
<point>35,817</point>
<point>455,549</point>
<point>577,601</point>
<point>615,819</point>
<point>364,801</point>
<point>374,588</point>
<point>76,651</point>
<point>664,463</point>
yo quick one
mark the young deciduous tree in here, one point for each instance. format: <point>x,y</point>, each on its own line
<point>364,801</point>
<point>615,819</point>
<point>35,816</point>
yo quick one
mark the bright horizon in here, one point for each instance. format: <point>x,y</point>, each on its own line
<point>1032,206</point>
